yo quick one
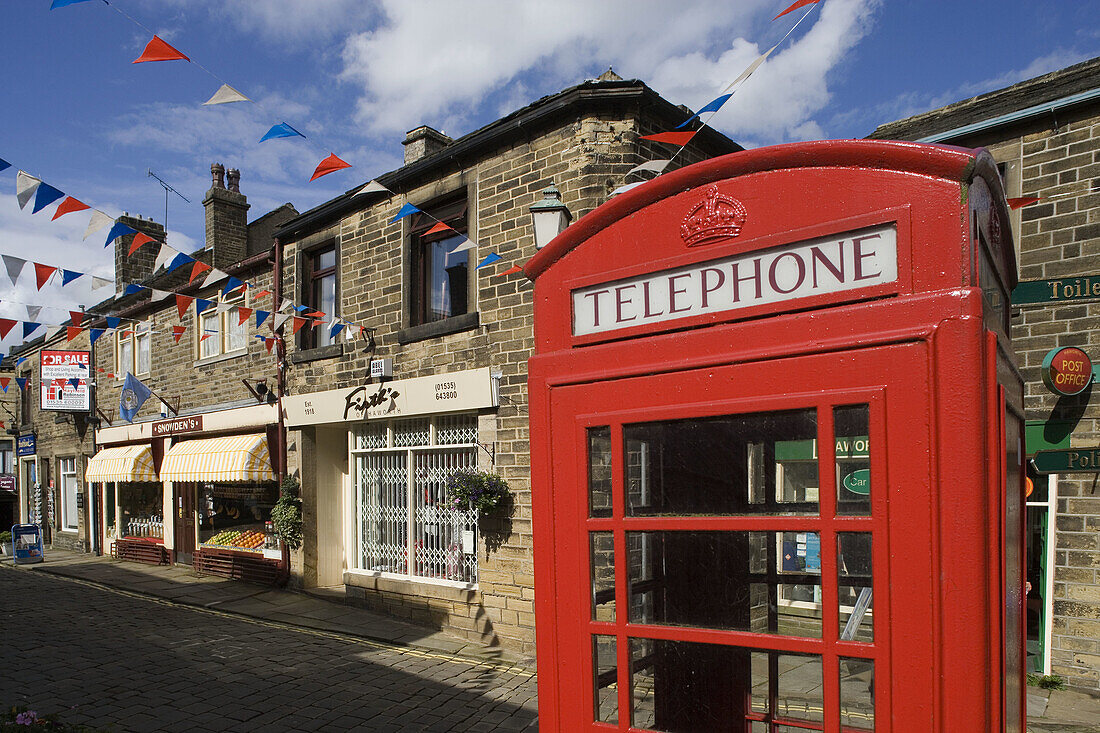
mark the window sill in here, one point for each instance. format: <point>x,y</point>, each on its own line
<point>220,357</point>
<point>451,590</point>
<point>321,352</point>
<point>435,329</point>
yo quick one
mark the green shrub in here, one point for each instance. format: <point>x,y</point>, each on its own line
<point>286,515</point>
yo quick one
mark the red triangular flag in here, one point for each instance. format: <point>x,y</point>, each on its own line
<point>1022,201</point>
<point>314,314</point>
<point>242,315</point>
<point>298,323</point>
<point>676,138</point>
<point>795,6</point>
<point>127,334</point>
<point>6,324</point>
<point>198,269</point>
<point>440,227</point>
<point>178,331</point>
<point>269,343</point>
<point>68,206</point>
<point>329,165</point>
<point>205,336</point>
<point>183,302</point>
<point>42,273</point>
<point>139,239</point>
<point>4,382</point>
<point>72,332</point>
<point>77,317</point>
<point>110,375</point>
<point>261,294</point>
<point>509,271</point>
<point>158,50</point>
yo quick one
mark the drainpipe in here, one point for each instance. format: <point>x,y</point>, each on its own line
<point>280,360</point>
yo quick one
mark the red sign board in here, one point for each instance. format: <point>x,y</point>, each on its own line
<point>65,379</point>
<point>1067,371</point>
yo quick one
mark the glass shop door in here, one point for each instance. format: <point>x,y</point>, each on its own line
<point>731,541</point>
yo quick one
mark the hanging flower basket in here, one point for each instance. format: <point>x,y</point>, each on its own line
<point>485,492</point>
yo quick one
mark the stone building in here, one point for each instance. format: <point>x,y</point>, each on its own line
<point>1045,135</point>
<point>379,419</point>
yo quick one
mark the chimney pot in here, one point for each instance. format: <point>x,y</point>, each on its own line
<point>217,170</point>
<point>233,179</point>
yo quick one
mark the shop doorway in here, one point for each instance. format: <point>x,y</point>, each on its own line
<point>184,537</point>
<point>1042,491</point>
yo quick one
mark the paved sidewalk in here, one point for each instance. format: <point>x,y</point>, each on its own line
<point>1062,711</point>
<point>322,612</point>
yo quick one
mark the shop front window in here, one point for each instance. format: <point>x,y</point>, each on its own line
<point>405,525</point>
<point>140,511</point>
<point>237,516</point>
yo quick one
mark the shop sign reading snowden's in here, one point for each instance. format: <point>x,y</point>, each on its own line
<point>816,267</point>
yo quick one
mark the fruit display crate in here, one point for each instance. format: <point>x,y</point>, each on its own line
<point>140,550</point>
<point>248,565</point>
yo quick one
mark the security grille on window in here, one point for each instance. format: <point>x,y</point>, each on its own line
<point>132,352</point>
<point>404,523</point>
<point>440,275</point>
<point>319,276</point>
<point>220,330</point>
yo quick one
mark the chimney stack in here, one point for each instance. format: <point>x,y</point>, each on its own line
<point>226,218</point>
<point>138,267</point>
<point>422,142</point>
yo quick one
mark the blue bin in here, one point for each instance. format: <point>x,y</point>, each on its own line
<point>26,539</point>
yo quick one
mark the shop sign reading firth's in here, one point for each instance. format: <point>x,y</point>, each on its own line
<point>847,261</point>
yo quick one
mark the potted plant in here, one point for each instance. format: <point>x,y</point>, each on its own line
<point>286,515</point>
<point>485,492</point>
<point>5,543</point>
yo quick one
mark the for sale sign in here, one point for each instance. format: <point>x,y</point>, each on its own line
<point>65,378</point>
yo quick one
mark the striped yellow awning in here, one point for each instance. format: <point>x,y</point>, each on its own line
<point>232,458</point>
<point>126,463</point>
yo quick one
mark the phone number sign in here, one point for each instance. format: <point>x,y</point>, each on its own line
<point>65,377</point>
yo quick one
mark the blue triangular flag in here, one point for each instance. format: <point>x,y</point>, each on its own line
<point>44,196</point>
<point>118,230</point>
<point>4,386</point>
<point>30,327</point>
<point>261,316</point>
<point>336,328</point>
<point>232,285</point>
<point>95,333</point>
<point>201,304</point>
<point>712,106</point>
<point>301,308</point>
<point>113,321</point>
<point>67,276</point>
<point>19,361</point>
<point>489,259</point>
<point>133,396</point>
<point>74,382</point>
<point>177,261</point>
<point>22,382</point>
<point>280,130</point>
<point>4,164</point>
<point>64,3</point>
<point>131,289</point>
<point>406,210</point>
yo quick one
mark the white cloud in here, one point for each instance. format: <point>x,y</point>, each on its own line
<point>297,21</point>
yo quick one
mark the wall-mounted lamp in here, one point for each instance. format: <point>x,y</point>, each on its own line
<point>550,215</point>
<point>259,390</point>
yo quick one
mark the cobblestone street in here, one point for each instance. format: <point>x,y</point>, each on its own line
<point>119,661</point>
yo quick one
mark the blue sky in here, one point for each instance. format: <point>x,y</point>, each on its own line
<point>354,75</point>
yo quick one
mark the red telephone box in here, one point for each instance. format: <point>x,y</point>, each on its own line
<point>777,449</point>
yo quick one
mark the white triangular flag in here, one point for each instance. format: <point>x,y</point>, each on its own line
<point>163,256</point>
<point>280,319</point>
<point>97,222</point>
<point>225,95</point>
<point>33,311</point>
<point>100,282</point>
<point>52,331</point>
<point>370,187</point>
<point>212,277</point>
<point>467,244</point>
<point>225,307</point>
<point>652,165</point>
<point>25,186</point>
<point>287,303</point>
<point>156,295</point>
<point>14,266</point>
<point>627,187</point>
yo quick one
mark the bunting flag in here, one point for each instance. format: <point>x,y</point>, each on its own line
<point>4,165</point>
<point>287,303</point>
<point>268,343</point>
<point>335,329</point>
<point>97,222</point>
<point>225,95</point>
<point>45,195</point>
<point>440,227</point>
<point>178,261</point>
<point>68,206</point>
<point>212,277</point>
<point>795,6</point>
<point>6,325</point>
<point>232,285</point>
<point>19,361</point>
<point>509,271</point>
<point>67,276</point>
<point>205,336</point>
<point>76,318</point>
<point>113,321</point>
<point>157,295</point>
<point>183,302</point>
<point>30,327</point>
<point>674,138</point>
<point>95,333</point>
<point>301,308</point>
<point>33,311</point>
<point>261,316</point>
<point>141,238</point>
<point>52,331</point>
<point>755,64</point>
<point>72,332</point>
<point>4,382</point>
<point>74,382</point>
<point>22,382</point>
<point>132,288</point>
<point>118,230</point>
<point>1022,201</point>
<point>64,3</point>
<point>712,106</point>
<point>489,259</point>
<point>158,50</point>
<point>243,314</point>
<point>14,266</point>
<point>280,130</point>
<point>370,187</point>
<point>464,245</point>
<point>331,164</point>
<point>42,273</point>
<point>656,166</point>
<point>198,269</point>
<point>279,320</point>
<point>100,282</point>
<point>164,253</point>
<point>261,294</point>
<point>297,325</point>
<point>201,304</point>
<point>406,210</point>
<point>25,186</point>
<point>177,332</point>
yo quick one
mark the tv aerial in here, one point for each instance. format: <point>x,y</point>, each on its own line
<point>164,184</point>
